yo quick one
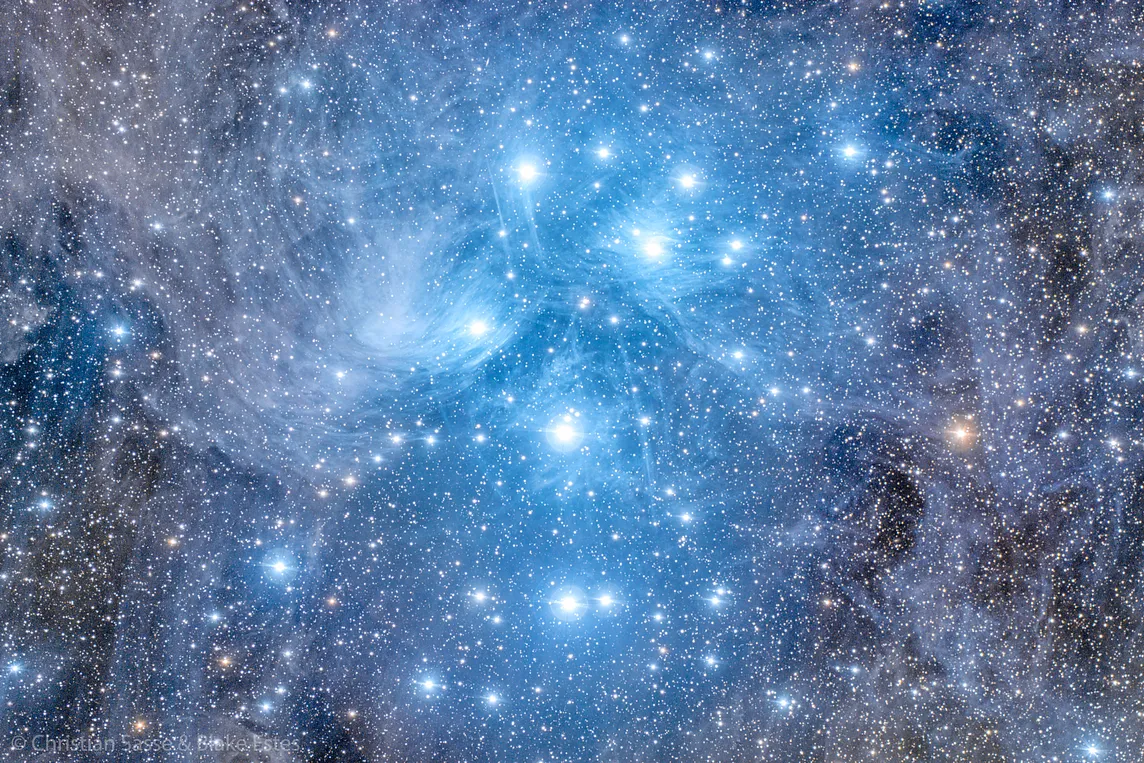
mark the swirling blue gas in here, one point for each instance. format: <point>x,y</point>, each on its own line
<point>552,382</point>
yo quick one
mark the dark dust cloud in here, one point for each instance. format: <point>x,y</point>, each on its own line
<point>523,381</point>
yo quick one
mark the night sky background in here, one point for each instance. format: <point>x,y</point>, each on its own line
<point>509,381</point>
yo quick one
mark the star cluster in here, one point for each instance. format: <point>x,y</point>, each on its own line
<point>554,382</point>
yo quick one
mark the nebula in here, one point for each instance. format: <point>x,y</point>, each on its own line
<point>529,381</point>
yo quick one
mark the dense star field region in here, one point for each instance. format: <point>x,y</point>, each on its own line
<point>509,381</point>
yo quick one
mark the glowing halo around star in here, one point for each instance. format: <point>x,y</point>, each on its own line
<point>568,603</point>
<point>565,433</point>
<point>279,566</point>
<point>528,172</point>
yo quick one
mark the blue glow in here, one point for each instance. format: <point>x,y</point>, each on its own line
<point>550,381</point>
